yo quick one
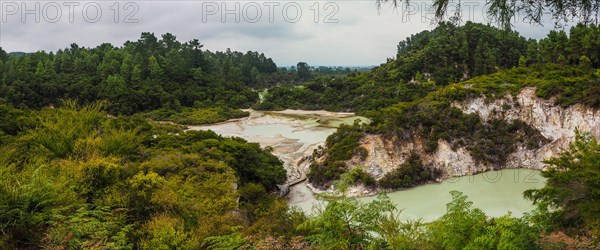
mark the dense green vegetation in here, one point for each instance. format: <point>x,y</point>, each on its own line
<point>196,116</point>
<point>569,85</point>
<point>302,72</point>
<point>430,60</point>
<point>570,198</point>
<point>166,79</point>
<point>142,75</point>
<point>408,174</point>
<point>324,173</point>
<point>344,143</point>
<point>356,176</point>
<point>357,92</point>
<point>341,146</point>
<point>76,178</point>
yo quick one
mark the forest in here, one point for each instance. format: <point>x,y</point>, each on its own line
<point>162,77</point>
<point>84,164</point>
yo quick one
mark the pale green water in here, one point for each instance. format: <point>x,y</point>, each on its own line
<point>293,136</point>
<point>495,192</point>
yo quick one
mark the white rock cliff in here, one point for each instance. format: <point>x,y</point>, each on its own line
<point>554,122</point>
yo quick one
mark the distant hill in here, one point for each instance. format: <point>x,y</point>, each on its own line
<point>17,53</point>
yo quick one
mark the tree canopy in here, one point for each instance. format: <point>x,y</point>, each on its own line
<point>148,74</point>
<point>504,12</point>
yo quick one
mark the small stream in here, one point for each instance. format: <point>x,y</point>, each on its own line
<point>294,134</point>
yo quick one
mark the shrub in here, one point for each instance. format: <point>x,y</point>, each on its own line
<point>322,175</point>
<point>343,144</point>
<point>165,232</point>
<point>353,177</point>
<point>91,228</point>
<point>408,174</point>
<point>196,116</point>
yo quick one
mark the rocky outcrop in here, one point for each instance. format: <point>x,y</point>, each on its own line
<point>386,154</point>
<point>555,123</point>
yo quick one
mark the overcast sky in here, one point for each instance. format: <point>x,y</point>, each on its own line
<point>326,32</point>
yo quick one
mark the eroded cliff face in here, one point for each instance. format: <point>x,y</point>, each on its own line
<point>554,123</point>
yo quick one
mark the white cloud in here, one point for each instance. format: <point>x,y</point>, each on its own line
<point>360,37</point>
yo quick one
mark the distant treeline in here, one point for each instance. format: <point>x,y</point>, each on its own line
<point>144,75</point>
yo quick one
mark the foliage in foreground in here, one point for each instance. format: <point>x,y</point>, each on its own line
<point>77,178</point>
<point>349,224</point>
<point>571,197</point>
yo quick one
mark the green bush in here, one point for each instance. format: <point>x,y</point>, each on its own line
<point>353,177</point>
<point>569,200</point>
<point>91,228</point>
<point>408,174</point>
<point>80,178</point>
<point>344,143</point>
<point>322,175</point>
<point>196,116</point>
<point>164,232</point>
